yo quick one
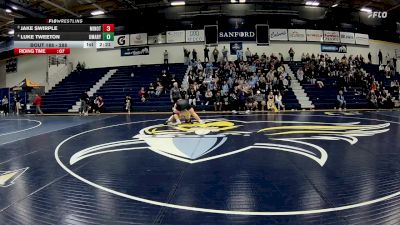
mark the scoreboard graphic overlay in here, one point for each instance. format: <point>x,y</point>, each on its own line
<point>58,36</point>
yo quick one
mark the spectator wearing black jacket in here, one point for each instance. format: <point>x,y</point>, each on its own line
<point>84,99</point>
<point>206,57</point>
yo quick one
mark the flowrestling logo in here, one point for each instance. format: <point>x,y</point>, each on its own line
<point>378,14</point>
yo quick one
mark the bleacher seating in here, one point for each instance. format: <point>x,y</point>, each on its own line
<point>67,92</point>
<point>290,101</point>
<point>122,84</point>
<point>374,70</point>
<point>325,98</point>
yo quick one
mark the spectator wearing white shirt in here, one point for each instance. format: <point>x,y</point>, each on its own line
<point>248,55</point>
<point>341,101</point>
<point>300,74</point>
<point>278,101</point>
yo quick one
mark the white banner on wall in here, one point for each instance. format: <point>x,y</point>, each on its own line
<point>278,34</point>
<point>347,37</point>
<point>156,39</point>
<point>138,39</point>
<point>195,36</point>
<point>331,36</point>
<point>297,34</point>
<point>315,35</point>
<point>177,36</point>
<point>362,39</point>
<point>121,40</point>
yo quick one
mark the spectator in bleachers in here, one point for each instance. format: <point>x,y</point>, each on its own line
<point>248,55</point>
<point>79,67</point>
<point>100,105</point>
<point>199,65</point>
<point>172,80</point>
<point>192,96</point>
<point>380,57</point>
<point>281,57</point>
<point>320,84</point>
<point>387,59</point>
<point>381,67</point>
<point>369,58</point>
<point>194,55</point>
<point>341,101</point>
<point>225,54</point>
<point>5,105</point>
<point>300,74</point>
<point>237,81</point>
<point>128,103</point>
<point>142,94</point>
<point>225,101</point>
<point>208,97</point>
<point>175,93</point>
<point>206,57</point>
<point>303,57</point>
<point>159,89</point>
<point>215,54</point>
<point>96,103</point>
<point>259,100</point>
<point>239,55</point>
<point>382,99</point>
<point>186,54</point>
<point>270,101</point>
<point>291,54</point>
<point>218,101</point>
<point>278,101</point>
<point>165,57</point>
<point>251,104</point>
<point>388,70</point>
<point>164,78</point>
<point>151,90</point>
<point>92,104</point>
<point>84,99</point>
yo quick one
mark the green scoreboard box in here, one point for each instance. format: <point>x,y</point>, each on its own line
<point>108,36</point>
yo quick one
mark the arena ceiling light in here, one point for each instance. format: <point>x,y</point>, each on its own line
<point>242,1</point>
<point>11,32</point>
<point>367,10</point>
<point>97,12</point>
<point>312,3</point>
<point>176,3</point>
<point>14,7</point>
<point>335,5</point>
<point>8,11</point>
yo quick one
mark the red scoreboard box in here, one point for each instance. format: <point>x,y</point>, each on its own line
<point>108,27</point>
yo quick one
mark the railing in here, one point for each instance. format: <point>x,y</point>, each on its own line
<point>57,74</point>
<point>58,60</point>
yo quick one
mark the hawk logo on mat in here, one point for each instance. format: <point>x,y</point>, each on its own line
<point>7,178</point>
<point>197,143</point>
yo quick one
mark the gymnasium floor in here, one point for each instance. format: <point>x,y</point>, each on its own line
<point>289,168</point>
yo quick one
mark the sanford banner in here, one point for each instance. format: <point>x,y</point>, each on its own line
<point>134,51</point>
<point>237,35</point>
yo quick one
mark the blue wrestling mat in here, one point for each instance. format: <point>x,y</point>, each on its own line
<point>288,168</point>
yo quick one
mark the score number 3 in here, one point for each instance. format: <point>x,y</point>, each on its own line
<point>108,27</point>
